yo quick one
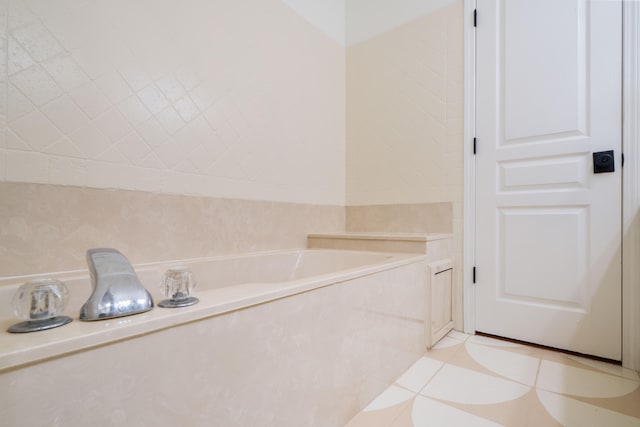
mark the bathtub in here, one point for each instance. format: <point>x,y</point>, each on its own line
<point>287,338</point>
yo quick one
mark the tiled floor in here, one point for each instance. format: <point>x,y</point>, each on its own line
<point>477,381</point>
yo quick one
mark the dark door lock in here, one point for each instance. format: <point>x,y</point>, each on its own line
<point>603,162</point>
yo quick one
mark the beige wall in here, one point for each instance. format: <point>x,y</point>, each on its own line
<point>405,119</point>
<point>401,218</point>
<point>405,112</point>
<point>48,228</point>
<point>167,129</point>
<point>236,99</point>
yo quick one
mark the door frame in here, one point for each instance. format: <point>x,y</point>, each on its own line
<point>630,178</point>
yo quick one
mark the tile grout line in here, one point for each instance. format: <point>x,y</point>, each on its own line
<point>439,369</point>
<point>405,405</point>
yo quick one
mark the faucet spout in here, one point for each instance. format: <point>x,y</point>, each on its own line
<point>117,291</point>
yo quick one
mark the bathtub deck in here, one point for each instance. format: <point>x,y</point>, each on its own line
<point>256,288</point>
<point>477,381</point>
<point>419,243</point>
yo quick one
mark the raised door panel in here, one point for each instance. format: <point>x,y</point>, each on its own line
<point>548,229</point>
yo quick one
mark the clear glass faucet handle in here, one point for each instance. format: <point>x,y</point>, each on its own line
<point>178,283</point>
<point>40,299</point>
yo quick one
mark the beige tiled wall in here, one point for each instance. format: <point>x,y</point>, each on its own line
<point>46,228</point>
<point>405,120</point>
<point>222,99</point>
<point>401,218</point>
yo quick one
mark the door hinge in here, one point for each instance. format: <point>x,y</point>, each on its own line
<point>474,274</point>
<point>474,145</point>
<point>475,17</point>
<point>622,164</point>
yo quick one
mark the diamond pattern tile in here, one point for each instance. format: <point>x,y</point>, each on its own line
<point>65,71</point>
<point>64,148</point>
<point>188,78</point>
<point>37,40</point>
<point>17,104</point>
<point>170,120</point>
<point>152,161</point>
<point>152,132</point>
<point>202,97</point>
<point>90,99</point>
<point>135,76</point>
<point>19,59</point>
<point>113,124</point>
<point>14,142</point>
<point>114,87</point>
<point>163,90</point>
<point>93,62</point>
<point>112,155</point>
<point>134,110</point>
<point>186,108</point>
<point>171,88</point>
<point>134,148</point>
<point>38,86</point>
<point>65,114</point>
<point>90,141</point>
<point>36,130</point>
<point>153,99</point>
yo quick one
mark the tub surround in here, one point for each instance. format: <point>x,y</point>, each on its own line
<point>443,218</point>
<point>331,351</point>
<point>47,228</point>
<point>225,284</point>
<point>440,268</point>
<point>401,218</point>
<point>435,246</point>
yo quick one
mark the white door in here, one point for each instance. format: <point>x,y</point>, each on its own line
<point>549,228</point>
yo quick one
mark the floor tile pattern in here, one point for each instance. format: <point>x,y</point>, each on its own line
<point>479,381</point>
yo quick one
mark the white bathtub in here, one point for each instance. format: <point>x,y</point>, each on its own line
<point>289,338</point>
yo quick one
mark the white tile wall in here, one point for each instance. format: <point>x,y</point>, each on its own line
<point>404,99</point>
<point>191,97</point>
<point>3,154</point>
<point>27,166</point>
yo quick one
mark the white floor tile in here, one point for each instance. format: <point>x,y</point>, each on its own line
<point>570,413</point>
<point>516,367</point>
<point>565,379</point>
<point>417,376</point>
<point>455,384</point>
<point>608,368</point>
<point>427,412</point>
<point>391,396</point>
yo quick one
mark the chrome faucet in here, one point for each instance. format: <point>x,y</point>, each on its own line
<point>117,291</point>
